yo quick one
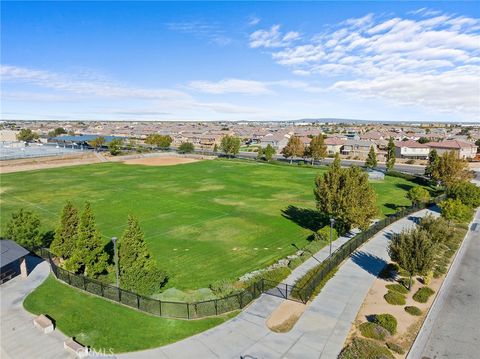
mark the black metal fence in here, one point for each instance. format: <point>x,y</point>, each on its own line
<point>340,254</point>
<point>153,306</point>
<point>232,302</point>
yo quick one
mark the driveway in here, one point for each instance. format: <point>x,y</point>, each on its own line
<point>19,338</point>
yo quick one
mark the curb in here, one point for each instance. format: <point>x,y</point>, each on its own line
<point>424,333</point>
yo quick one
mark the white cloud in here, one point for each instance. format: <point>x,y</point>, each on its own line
<point>231,86</point>
<point>272,38</point>
<point>381,56</point>
<point>201,29</point>
<point>253,20</point>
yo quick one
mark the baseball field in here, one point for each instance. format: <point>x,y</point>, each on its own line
<point>203,221</point>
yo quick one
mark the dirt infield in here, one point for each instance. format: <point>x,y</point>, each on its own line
<point>160,161</point>
<point>28,164</point>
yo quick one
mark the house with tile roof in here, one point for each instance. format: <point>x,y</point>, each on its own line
<point>464,149</point>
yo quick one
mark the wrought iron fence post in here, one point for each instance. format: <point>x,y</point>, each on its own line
<point>286,291</point>
<point>160,307</point>
<point>216,307</point>
<point>188,310</point>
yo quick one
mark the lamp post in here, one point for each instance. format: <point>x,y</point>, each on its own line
<point>115,255</point>
<point>332,222</point>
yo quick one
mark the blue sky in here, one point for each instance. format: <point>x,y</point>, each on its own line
<point>416,61</point>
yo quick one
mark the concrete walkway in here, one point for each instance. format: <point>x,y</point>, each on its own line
<point>451,327</point>
<point>19,338</point>
<point>319,333</point>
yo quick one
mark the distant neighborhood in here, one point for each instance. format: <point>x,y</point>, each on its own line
<point>413,142</point>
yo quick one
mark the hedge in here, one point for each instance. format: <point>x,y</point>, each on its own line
<point>397,288</point>
<point>373,331</point>
<point>387,321</point>
<point>365,349</point>
<point>412,310</point>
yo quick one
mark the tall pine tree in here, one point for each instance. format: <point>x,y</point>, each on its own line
<point>63,243</point>
<point>390,158</point>
<point>138,270</point>
<point>88,257</point>
<point>371,161</point>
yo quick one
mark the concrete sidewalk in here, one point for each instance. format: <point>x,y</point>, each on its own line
<point>19,338</point>
<point>319,333</point>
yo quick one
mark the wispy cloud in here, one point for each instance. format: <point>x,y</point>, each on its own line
<point>169,100</point>
<point>253,20</point>
<point>272,37</point>
<point>429,58</point>
<point>210,31</point>
<point>249,87</point>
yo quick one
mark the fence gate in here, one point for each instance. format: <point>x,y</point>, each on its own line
<point>281,290</point>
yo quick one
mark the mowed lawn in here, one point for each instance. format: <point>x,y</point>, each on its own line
<point>202,221</point>
<point>104,325</point>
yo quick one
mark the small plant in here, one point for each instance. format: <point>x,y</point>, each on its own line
<point>364,348</point>
<point>394,298</point>
<point>373,331</point>
<point>397,288</point>
<point>423,294</point>
<point>295,262</point>
<point>412,310</point>
<point>387,321</point>
<point>395,347</point>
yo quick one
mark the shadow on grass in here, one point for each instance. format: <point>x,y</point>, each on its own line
<point>405,187</point>
<point>368,262</point>
<point>306,217</point>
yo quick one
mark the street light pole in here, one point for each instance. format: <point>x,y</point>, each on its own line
<point>332,222</point>
<point>115,255</point>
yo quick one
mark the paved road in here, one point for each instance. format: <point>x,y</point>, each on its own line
<point>19,338</point>
<point>452,329</point>
<point>413,169</point>
<point>319,333</point>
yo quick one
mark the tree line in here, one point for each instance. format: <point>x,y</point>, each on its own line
<point>78,246</point>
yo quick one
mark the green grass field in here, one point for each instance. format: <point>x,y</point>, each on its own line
<point>202,221</point>
<point>102,324</point>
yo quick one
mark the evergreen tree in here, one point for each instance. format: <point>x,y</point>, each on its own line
<point>317,149</point>
<point>88,257</point>
<point>138,271</point>
<point>413,251</point>
<point>390,158</point>
<point>371,161</point>
<point>432,166</point>
<point>293,148</point>
<point>63,243</point>
<point>186,147</point>
<point>454,210</point>
<point>269,152</point>
<point>24,228</point>
<point>115,146</point>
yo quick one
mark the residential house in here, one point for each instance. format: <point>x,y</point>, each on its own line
<point>357,148</point>
<point>411,150</point>
<point>334,145</point>
<point>465,150</point>
<point>276,140</point>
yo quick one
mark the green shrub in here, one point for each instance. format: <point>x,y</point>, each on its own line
<point>394,298</point>
<point>365,349</point>
<point>412,310</point>
<point>397,288</point>
<point>373,331</point>
<point>313,247</point>
<point>423,294</point>
<point>387,321</point>
<point>222,288</point>
<point>295,262</point>
<point>395,347</point>
<point>324,233</point>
